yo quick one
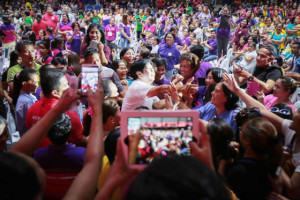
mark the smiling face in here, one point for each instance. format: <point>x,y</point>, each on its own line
<point>129,56</point>
<point>209,79</point>
<point>160,72</point>
<point>94,34</point>
<point>122,71</point>
<point>169,39</point>
<point>148,74</point>
<point>186,69</point>
<point>243,23</point>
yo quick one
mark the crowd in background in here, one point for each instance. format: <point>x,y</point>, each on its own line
<point>237,64</point>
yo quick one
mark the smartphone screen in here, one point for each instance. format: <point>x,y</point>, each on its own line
<point>89,79</point>
<point>161,136</point>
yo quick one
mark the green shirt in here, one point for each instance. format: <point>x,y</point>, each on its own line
<point>190,10</point>
<point>139,26</point>
<point>16,69</point>
<point>28,21</point>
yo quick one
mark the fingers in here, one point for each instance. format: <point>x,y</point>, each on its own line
<point>190,80</point>
<point>119,153</point>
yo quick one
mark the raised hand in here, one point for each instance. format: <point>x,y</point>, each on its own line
<point>230,82</point>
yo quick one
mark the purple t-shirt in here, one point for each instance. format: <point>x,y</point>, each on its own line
<point>126,29</point>
<point>9,31</point>
<point>186,40</point>
<point>201,73</point>
<point>213,43</point>
<point>163,81</point>
<point>75,45</point>
<point>171,54</point>
<point>105,21</point>
<point>223,32</point>
<point>163,21</point>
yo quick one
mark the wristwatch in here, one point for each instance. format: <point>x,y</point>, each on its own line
<point>250,78</point>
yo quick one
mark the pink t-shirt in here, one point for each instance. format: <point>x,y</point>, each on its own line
<point>9,30</point>
<point>51,20</point>
<point>270,101</point>
<point>150,28</point>
<point>111,32</point>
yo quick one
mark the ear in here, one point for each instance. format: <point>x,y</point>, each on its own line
<point>54,93</point>
<point>271,59</point>
<point>138,73</point>
<point>23,83</point>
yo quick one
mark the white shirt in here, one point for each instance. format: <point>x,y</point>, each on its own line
<point>136,96</point>
<point>249,66</point>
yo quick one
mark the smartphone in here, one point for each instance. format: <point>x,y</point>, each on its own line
<point>93,44</point>
<point>89,79</point>
<point>252,87</point>
<point>236,67</point>
<point>162,133</point>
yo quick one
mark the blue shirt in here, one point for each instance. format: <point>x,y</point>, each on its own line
<point>24,102</point>
<point>208,112</point>
<point>171,54</point>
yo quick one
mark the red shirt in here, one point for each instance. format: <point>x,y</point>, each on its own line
<point>51,20</point>
<point>36,27</point>
<point>40,108</point>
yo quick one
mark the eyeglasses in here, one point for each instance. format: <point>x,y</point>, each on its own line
<point>246,111</point>
<point>281,111</point>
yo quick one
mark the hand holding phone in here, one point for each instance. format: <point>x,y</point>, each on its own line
<point>252,87</point>
<point>89,79</point>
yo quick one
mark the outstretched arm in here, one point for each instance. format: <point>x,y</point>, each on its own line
<point>31,140</point>
<point>84,185</point>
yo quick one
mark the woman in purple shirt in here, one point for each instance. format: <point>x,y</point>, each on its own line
<point>105,19</point>
<point>75,38</point>
<point>223,31</point>
<point>163,20</point>
<point>125,32</point>
<point>170,52</point>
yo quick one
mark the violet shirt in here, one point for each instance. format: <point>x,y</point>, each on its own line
<point>213,43</point>
<point>223,32</point>
<point>105,21</point>
<point>201,73</point>
<point>9,31</point>
<point>150,28</point>
<point>187,41</point>
<point>75,45</point>
<point>178,20</point>
<point>171,54</point>
<point>163,81</point>
<point>163,21</point>
<point>126,29</point>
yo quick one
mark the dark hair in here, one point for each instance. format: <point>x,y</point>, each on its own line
<point>25,75</point>
<point>110,144</point>
<point>59,60</point>
<point>73,25</point>
<point>20,45</point>
<point>49,29</point>
<point>56,42</point>
<point>245,115</point>
<point>176,177</point>
<point>153,56</point>
<point>253,37</point>
<point>19,179</point>
<point>170,33</point>
<point>159,62</point>
<point>87,37</point>
<point>246,23</point>
<point>6,20</point>
<point>27,13</point>
<point>144,53</point>
<point>67,17</point>
<point>288,84</point>
<point>193,60</point>
<point>74,60</point>
<point>50,80</point>
<point>60,130</point>
<point>39,18</point>
<point>89,52</point>
<point>221,135</point>
<point>208,92</point>
<point>198,50</point>
<point>138,66</point>
<point>47,46</point>
<point>217,74</point>
<point>262,136</point>
<point>13,58</point>
<point>123,51</point>
<point>115,64</point>
<point>232,98</point>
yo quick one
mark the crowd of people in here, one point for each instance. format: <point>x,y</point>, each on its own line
<point>236,64</point>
